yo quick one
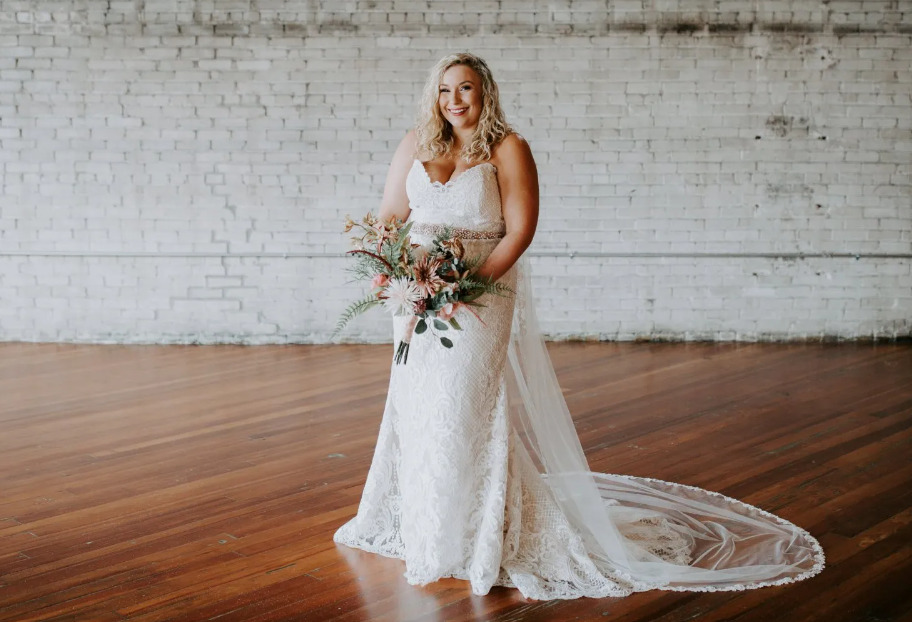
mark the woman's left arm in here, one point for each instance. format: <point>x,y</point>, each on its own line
<point>517,177</point>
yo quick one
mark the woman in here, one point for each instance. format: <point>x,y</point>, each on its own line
<point>478,472</point>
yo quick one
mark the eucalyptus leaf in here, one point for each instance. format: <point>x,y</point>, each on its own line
<point>455,324</point>
<point>440,325</point>
<point>446,342</point>
<point>420,327</point>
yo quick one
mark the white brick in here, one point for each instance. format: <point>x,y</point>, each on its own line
<point>187,144</point>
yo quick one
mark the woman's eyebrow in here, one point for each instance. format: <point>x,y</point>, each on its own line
<point>460,84</point>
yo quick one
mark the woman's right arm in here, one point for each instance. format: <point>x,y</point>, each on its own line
<point>395,201</point>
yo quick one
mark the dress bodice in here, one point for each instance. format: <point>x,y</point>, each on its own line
<point>470,201</point>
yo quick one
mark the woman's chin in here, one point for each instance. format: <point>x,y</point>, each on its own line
<point>462,123</point>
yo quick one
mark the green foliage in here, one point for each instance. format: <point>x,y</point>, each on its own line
<point>362,271</point>
<point>472,289</point>
<point>356,308</point>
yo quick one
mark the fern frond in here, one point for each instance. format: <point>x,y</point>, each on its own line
<point>484,287</point>
<point>367,253</point>
<point>368,262</point>
<point>362,271</point>
<point>356,308</point>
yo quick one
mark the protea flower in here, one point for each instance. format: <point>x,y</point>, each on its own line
<point>426,277</point>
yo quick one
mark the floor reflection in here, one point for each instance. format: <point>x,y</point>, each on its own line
<point>386,595</point>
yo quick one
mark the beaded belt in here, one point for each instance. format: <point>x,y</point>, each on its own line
<point>433,229</point>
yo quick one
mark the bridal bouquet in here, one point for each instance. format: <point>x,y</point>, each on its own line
<point>428,285</point>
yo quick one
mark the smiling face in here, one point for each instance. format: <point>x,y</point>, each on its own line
<point>459,97</point>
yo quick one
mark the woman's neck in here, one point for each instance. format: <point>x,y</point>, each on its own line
<point>462,138</point>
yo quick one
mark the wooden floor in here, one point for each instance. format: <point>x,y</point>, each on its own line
<point>205,482</point>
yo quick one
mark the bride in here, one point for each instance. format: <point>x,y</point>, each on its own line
<point>478,472</point>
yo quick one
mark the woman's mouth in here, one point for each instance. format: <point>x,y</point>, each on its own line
<point>457,112</point>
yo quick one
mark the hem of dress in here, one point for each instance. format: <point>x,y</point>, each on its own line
<point>369,548</point>
<point>819,555</point>
<point>503,579</point>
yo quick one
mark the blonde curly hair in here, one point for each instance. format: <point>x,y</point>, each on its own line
<point>434,133</point>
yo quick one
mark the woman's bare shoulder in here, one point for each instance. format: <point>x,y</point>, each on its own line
<point>512,143</point>
<point>512,150</point>
<point>409,142</point>
<point>407,148</point>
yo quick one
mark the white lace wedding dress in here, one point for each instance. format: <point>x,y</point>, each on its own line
<point>478,474</point>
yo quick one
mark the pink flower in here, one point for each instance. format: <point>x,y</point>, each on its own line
<point>425,271</point>
<point>379,280</point>
<point>447,311</point>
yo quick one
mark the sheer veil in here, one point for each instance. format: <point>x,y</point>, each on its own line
<point>654,533</point>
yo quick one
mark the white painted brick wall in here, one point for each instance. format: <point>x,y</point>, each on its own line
<point>178,170</point>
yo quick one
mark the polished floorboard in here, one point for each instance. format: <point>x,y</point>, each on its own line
<point>205,482</point>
